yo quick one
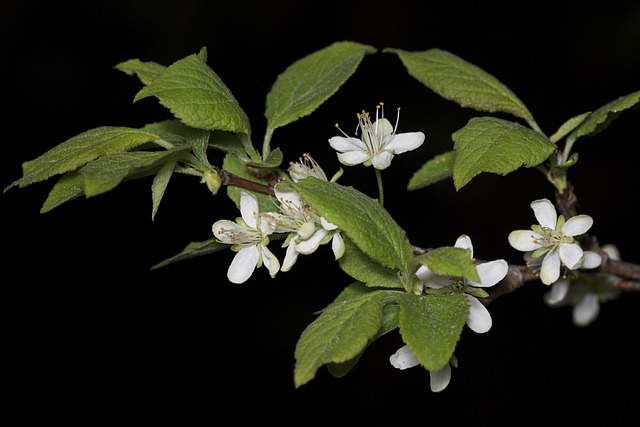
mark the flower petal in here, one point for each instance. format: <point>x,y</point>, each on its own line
<point>490,273</point>
<point>545,213</point>
<point>570,254</point>
<point>479,318</point>
<point>341,143</point>
<point>464,242</point>
<point>557,292</point>
<point>291,256</point>
<point>524,240</point>
<point>439,380</point>
<point>550,270</point>
<point>577,225</point>
<point>352,158</point>
<point>270,261</point>
<point>243,264</point>
<point>337,245</point>
<point>591,260</point>
<point>249,209</point>
<point>403,358</point>
<point>311,244</point>
<point>586,311</point>
<point>403,142</point>
<point>382,160</point>
<point>219,227</point>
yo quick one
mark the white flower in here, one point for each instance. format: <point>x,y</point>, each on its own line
<point>249,236</point>
<point>378,144</point>
<point>306,167</point>
<point>490,273</point>
<point>585,292</point>
<point>439,380</point>
<point>307,229</point>
<point>553,238</point>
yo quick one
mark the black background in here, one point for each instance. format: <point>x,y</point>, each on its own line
<point>90,333</point>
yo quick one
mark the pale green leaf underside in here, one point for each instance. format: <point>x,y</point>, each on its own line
<point>70,186</point>
<point>488,144</point>
<point>363,220</point>
<point>107,172</point>
<point>602,117</point>
<point>311,80</point>
<point>339,334</point>
<point>195,94</point>
<point>431,326</point>
<point>364,269</point>
<point>81,149</point>
<point>177,133</point>
<point>159,185</point>
<point>434,170</point>
<point>145,71</point>
<point>568,126</point>
<point>457,80</point>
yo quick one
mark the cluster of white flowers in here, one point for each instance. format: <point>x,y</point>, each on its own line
<point>249,235</point>
<point>479,320</point>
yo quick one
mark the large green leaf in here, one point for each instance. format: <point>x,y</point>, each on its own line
<point>362,218</point>
<point>602,117</point>
<point>488,144</point>
<point>310,81</point>
<point>79,150</point>
<point>197,96</point>
<point>431,326</point>
<point>339,334</point>
<point>457,80</point>
<point>105,173</point>
<point>434,170</point>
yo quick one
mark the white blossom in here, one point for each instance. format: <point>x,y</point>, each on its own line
<point>490,273</point>
<point>249,236</point>
<point>404,358</point>
<point>378,143</point>
<point>553,238</point>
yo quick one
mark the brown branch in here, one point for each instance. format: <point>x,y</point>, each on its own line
<point>227,178</point>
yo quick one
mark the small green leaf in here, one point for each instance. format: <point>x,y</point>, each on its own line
<point>568,126</point>
<point>487,144</point>
<point>451,261</point>
<point>192,250</point>
<point>363,220</point>
<point>79,150</point>
<point>603,116</point>
<point>105,173</point>
<point>339,334</point>
<point>197,96</point>
<point>310,81</point>
<point>177,133</point>
<point>457,80</point>
<point>159,186</point>
<point>70,186</point>
<point>431,326</point>
<point>435,170</point>
<point>364,269</point>
<point>145,71</point>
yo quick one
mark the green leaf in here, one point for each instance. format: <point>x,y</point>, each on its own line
<point>339,334</point>
<point>451,261</point>
<point>192,250</point>
<point>457,80</point>
<point>70,186</point>
<point>105,173</point>
<point>79,150</point>
<point>197,96</point>
<point>603,116</point>
<point>435,170</point>
<point>361,218</point>
<point>431,326</point>
<point>177,133</point>
<point>487,144</point>
<point>160,183</point>
<point>310,81</point>
<point>147,72</point>
<point>361,267</point>
<point>568,126</point>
